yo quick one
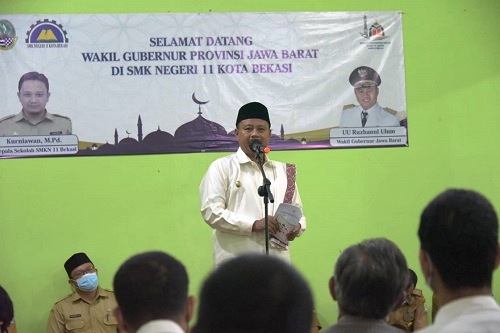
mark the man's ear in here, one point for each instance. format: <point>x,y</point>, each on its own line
<point>425,263</point>
<point>122,325</point>
<point>331,286</point>
<point>190,305</point>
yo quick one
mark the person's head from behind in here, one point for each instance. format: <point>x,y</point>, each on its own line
<point>369,279</point>
<point>33,92</point>
<point>152,286</point>
<point>254,293</point>
<point>6,310</point>
<point>459,240</point>
<point>81,272</point>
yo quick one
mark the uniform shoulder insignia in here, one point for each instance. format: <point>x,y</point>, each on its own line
<point>108,290</point>
<point>348,106</point>
<point>7,117</point>
<point>60,116</point>
<point>63,299</point>
<point>391,111</point>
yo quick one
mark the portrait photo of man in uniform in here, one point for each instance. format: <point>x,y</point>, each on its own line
<point>34,119</point>
<point>368,113</point>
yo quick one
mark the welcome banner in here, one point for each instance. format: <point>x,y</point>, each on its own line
<point>169,83</point>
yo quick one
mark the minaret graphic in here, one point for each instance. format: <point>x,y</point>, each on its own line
<point>116,137</point>
<point>139,129</point>
<point>282,132</point>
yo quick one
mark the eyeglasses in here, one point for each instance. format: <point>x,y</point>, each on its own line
<point>80,273</point>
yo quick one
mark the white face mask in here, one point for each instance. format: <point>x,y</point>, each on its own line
<point>88,282</point>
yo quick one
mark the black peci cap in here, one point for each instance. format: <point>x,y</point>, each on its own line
<point>74,261</point>
<point>253,110</point>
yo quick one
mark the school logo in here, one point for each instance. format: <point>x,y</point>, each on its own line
<point>46,34</point>
<point>7,35</point>
<point>375,32</point>
<point>373,36</point>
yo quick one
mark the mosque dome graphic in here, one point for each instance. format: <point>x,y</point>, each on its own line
<point>197,135</point>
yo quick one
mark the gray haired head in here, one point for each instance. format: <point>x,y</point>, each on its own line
<point>370,277</point>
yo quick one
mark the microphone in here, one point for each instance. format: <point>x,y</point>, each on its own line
<point>257,147</point>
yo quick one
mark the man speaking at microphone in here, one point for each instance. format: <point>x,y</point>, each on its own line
<point>230,202</point>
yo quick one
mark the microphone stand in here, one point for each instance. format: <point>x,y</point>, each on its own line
<point>265,191</point>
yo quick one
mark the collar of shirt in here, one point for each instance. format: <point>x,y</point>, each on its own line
<point>160,326</point>
<point>100,293</point>
<point>20,116</point>
<point>366,321</point>
<point>373,109</point>
<point>454,309</point>
<point>243,158</point>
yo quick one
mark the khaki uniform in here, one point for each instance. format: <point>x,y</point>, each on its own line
<point>73,315</point>
<point>12,327</point>
<point>412,315</point>
<point>52,124</point>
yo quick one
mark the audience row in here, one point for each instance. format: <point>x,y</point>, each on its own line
<point>254,293</point>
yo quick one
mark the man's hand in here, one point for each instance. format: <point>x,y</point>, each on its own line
<point>294,233</point>
<point>259,225</point>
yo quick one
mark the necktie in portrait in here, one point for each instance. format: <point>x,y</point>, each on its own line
<point>364,116</point>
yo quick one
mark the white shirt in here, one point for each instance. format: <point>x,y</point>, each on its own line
<point>160,326</point>
<point>467,315</point>
<point>351,117</point>
<point>230,204</point>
